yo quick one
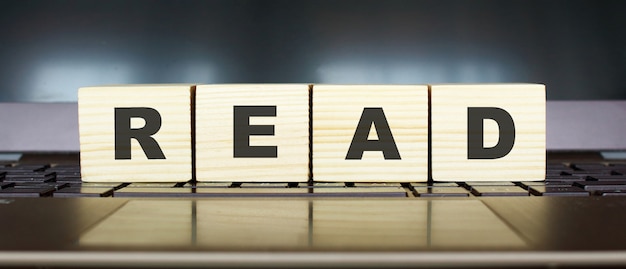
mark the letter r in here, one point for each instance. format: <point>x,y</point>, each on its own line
<point>143,135</point>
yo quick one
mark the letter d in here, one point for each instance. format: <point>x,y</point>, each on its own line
<point>475,133</point>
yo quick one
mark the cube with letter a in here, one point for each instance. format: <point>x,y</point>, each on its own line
<point>370,133</point>
<point>488,132</point>
<point>135,133</point>
<point>252,132</point>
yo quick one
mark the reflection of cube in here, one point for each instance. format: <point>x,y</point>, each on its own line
<point>505,136</point>
<point>370,133</point>
<point>135,133</point>
<point>252,132</point>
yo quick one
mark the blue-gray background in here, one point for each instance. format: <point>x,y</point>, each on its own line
<point>49,48</point>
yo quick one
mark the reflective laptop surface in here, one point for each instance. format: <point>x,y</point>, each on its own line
<point>513,231</point>
<point>458,224</point>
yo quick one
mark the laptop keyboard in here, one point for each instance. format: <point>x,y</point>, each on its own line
<point>562,179</point>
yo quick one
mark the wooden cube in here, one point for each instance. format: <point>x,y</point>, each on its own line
<point>252,132</point>
<point>135,133</point>
<point>488,132</point>
<point>370,133</point>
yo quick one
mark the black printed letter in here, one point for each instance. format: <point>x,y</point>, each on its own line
<point>385,142</point>
<point>243,130</point>
<point>475,142</point>
<point>123,132</point>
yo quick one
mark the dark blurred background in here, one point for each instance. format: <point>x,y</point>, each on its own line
<point>49,48</point>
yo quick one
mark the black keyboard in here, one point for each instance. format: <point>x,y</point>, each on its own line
<point>562,179</point>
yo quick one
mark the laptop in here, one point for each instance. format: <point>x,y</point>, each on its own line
<point>50,218</point>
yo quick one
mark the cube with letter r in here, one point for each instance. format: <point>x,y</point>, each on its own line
<point>135,133</point>
<point>488,132</point>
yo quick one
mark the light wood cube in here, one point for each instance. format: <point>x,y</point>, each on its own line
<point>135,133</point>
<point>509,148</point>
<point>390,144</point>
<point>252,132</point>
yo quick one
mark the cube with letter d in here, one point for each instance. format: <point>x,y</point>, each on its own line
<point>370,133</point>
<point>135,133</point>
<point>252,132</point>
<point>488,132</point>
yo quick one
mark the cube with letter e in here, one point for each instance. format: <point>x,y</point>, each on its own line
<point>135,133</point>
<point>252,132</point>
<point>488,132</point>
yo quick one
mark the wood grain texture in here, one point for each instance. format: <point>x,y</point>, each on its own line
<point>97,133</point>
<point>215,159</point>
<point>526,105</point>
<point>337,110</point>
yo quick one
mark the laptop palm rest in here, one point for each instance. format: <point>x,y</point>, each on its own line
<point>565,223</point>
<point>49,224</point>
<point>364,232</point>
<point>302,224</point>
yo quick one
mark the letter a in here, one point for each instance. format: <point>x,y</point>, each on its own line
<point>385,142</point>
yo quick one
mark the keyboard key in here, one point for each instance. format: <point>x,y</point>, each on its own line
<point>557,191</point>
<point>610,178</point>
<point>26,192</point>
<point>4,185</point>
<point>379,184</point>
<point>84,192</point>
<point>152,192</point>
<point>360,192</point>
<point>557,173</point>
<point>441,192</point>
<point>263,185</point>
<point>329,185</point>
<point>65,168</point>
<point>252,192</point>
<point>590,166</point>
<point>490,183</point>
<point>99,185</point>
<point>28,174</point>
<point>68,179</point>
<point>151,185</point>
<point>207,185</point>
<point>564,178</point>
<point>526,184</point>
<point>29,177</point>
<point>498,191</point>
<point>585,174</point>
<point>434,184</point>
<point>38,185</point>
<point>26,167</point>
<point>612,193</point>
<point>65,173</point>
<point>601,185</point>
